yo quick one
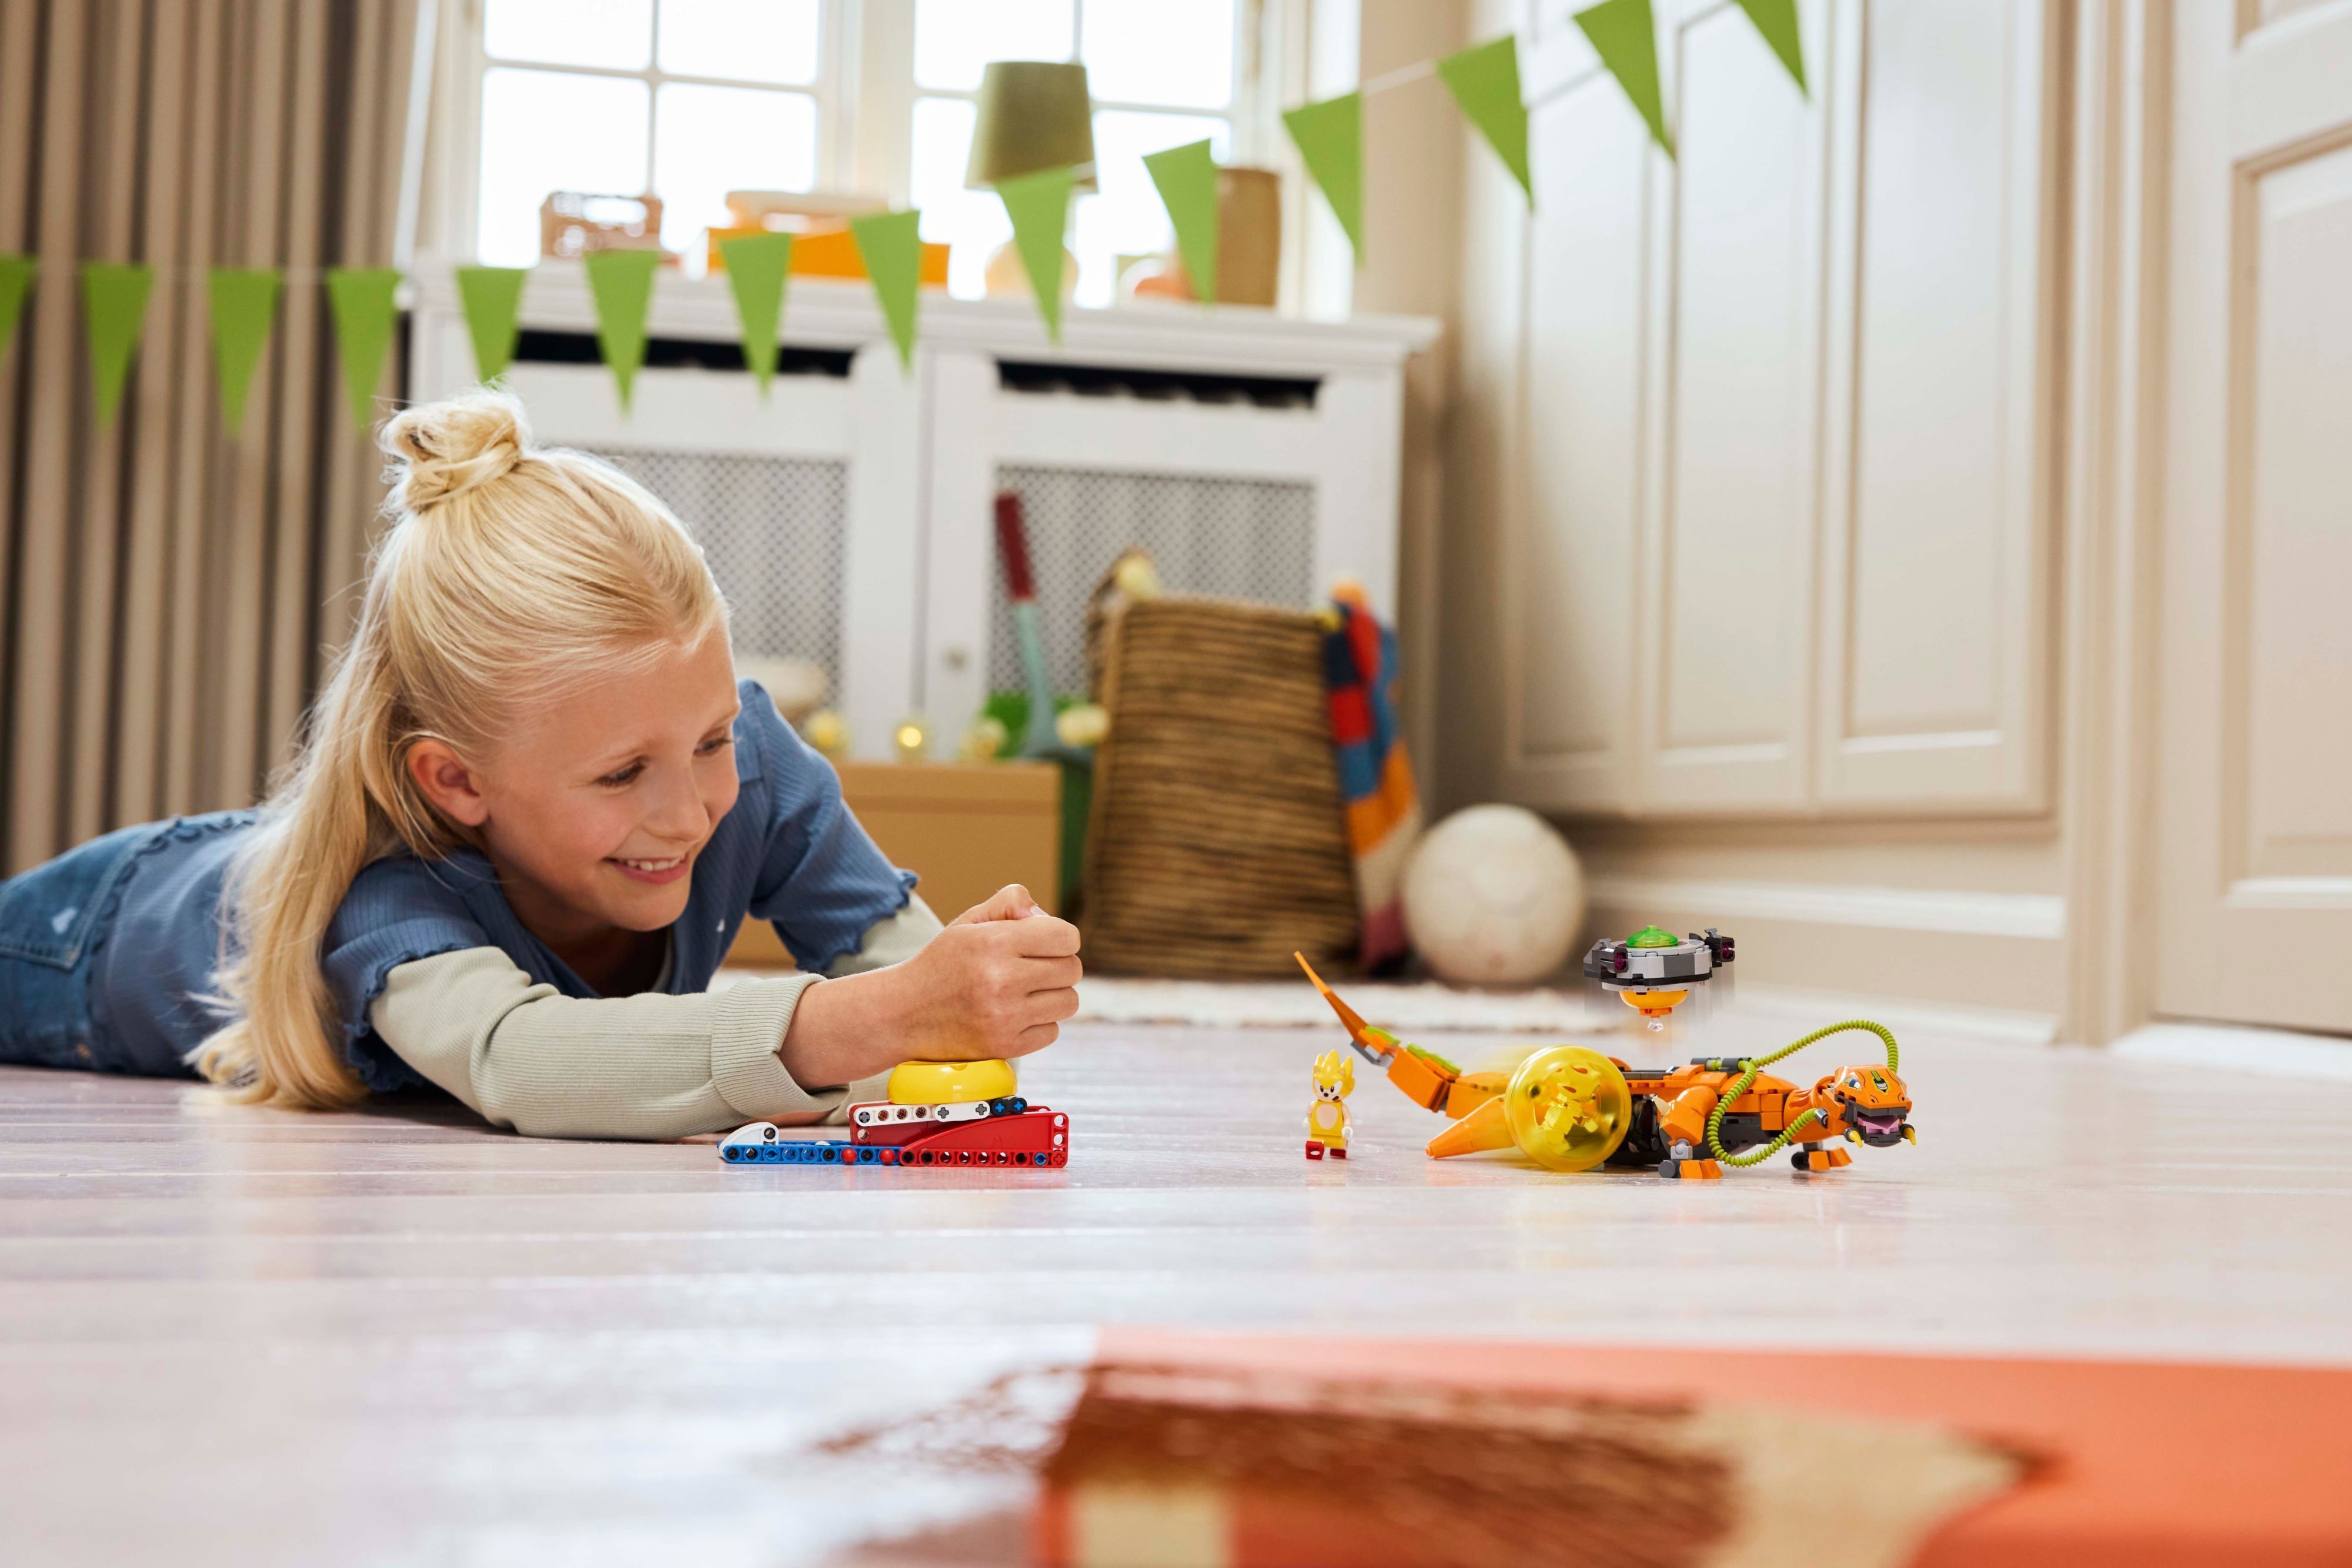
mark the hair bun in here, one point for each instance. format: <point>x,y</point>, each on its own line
<point>441,450</point>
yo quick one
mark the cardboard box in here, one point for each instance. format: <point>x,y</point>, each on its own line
<point>965,827</point>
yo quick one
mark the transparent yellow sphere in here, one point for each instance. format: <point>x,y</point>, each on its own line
<point>1567,1107</point>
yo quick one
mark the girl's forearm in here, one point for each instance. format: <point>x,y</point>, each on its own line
<point>845,1030</point>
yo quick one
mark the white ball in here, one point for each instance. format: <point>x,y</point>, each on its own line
<point>1494,896</point>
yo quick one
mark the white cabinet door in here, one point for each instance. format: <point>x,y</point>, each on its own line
<point>1569,576</point>
<point>1735,497</point>
<point>1935,589</point>
<point>2255,790</point>
<point>1782,525</point>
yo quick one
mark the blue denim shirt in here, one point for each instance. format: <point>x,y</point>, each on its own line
<point>789,852</point>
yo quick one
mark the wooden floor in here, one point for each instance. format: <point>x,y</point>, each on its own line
<point>235,1336</point>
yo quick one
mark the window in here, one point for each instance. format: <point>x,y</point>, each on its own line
<point>690,99</point>
<point>686,99</point>
<point>1163,73</point>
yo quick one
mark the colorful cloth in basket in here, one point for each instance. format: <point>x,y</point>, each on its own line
<point>1360,669</point>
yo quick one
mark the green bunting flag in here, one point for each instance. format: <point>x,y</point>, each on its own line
<point>1039,206</point>
<point>1626,40</point>
<point>244,305</point>
<point>1187,179</point>
<point>891,245</point>
<point>492,296</point>
<point>361,298</point>
<point>1330,138</point>
<point>622,283</point>
<point>756,267</point>
<point>1777,20</point>
<point>114,308</point>
<point>16,282</point>
<point>1486,82</point>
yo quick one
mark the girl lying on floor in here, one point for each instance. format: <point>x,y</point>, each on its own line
<point>531,810</point>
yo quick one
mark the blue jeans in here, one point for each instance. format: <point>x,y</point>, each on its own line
<point>52,919</point>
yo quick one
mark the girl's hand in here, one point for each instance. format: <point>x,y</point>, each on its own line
<point>997,981</point>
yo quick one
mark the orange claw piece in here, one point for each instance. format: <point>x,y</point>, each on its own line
<point>1380,1043</point>
<point>1485,1128</point>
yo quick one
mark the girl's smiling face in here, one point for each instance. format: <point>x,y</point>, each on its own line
<point>594,808</point>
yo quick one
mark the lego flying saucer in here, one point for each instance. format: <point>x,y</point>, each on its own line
<point>1654,971</point>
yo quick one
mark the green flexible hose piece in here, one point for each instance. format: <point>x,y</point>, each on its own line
<point>1790,1133</point>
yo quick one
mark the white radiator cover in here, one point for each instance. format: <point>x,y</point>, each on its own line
<point>1234,538</point>
<point>774,530</point>
<point>849,516</point>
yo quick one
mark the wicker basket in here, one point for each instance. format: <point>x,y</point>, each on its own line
<point>1217,844</point>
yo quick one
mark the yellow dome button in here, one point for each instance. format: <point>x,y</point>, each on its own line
<point>950,1082</point>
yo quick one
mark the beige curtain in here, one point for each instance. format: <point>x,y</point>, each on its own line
<point>169,592</point>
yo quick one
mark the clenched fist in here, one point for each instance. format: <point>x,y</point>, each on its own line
<point>997,981</point>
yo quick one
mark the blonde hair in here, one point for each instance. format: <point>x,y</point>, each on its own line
<point>1334,1071</point>
<point>508,574</point>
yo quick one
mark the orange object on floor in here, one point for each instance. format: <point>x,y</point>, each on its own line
<point>2151,1463</point>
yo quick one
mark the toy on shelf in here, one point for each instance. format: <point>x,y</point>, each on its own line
<point>573,223</point>
<point>938,1114</point>
<point>1327,1119</point>
<point>1570,1108</point>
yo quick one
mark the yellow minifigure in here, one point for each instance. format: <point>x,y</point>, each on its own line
<point>1327,1119</point>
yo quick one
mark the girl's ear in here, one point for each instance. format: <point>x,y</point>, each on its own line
<point>448,782</point>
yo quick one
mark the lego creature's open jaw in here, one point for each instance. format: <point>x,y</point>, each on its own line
<point>1881,1126</point>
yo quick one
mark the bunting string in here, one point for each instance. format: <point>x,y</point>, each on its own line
<point>244,301</point>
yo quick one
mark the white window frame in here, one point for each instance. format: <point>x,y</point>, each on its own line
<point>465,56</point>
<point>864,91</point>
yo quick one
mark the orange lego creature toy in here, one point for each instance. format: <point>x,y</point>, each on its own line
<point>1570,1108</point>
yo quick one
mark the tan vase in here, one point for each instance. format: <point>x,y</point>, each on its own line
<point>1249,235</point>
<point>1249,245</point>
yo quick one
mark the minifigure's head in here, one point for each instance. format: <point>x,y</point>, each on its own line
<point>1870,1102</point>
<point>1335,1076</point>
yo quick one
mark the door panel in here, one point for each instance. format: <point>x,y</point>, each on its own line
<point>2294,681</point>
<point>1570,574</point>
<point>1781,521</point>
<point>1936,579</point>
<point>2255,852</point>
<point>1732,598</point>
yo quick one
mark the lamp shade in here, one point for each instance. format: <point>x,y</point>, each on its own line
<point>1033,114</point>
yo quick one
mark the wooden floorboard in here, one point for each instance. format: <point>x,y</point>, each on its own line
<point>230,1336</point>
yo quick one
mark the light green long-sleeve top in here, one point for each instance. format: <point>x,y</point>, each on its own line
<point>650,1066</point>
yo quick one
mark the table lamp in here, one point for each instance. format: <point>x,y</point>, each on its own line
<point>1033,115</point>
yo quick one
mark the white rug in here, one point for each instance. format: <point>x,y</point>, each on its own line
<point>1285,1005</point>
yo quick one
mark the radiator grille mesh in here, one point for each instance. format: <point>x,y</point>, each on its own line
<point>1233,538</point>
<point>774,529</point>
